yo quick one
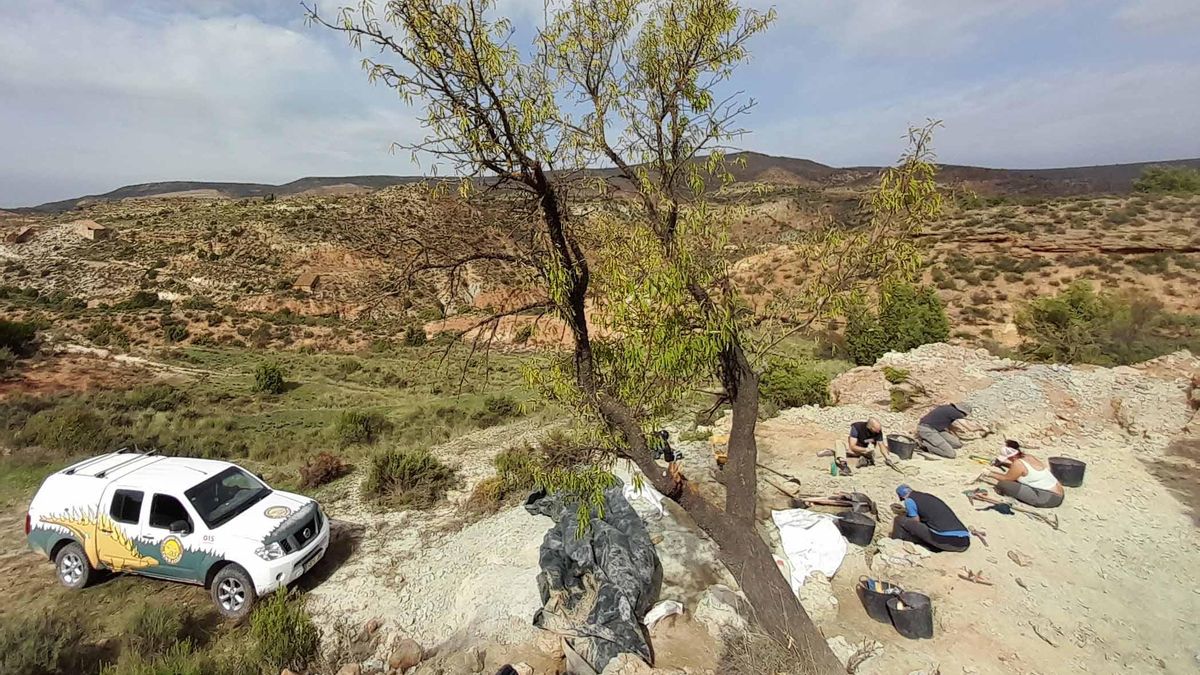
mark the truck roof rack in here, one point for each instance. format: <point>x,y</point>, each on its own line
<point>136,452</point>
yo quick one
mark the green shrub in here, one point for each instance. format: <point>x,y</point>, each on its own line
<point>789,384</point>
<point>901,399</point>
<point>524,334</point>
<point>354,427</point>
<point>141,300</point>
<point>197,302</point>
<point>414,336</point>
<point>8,361</point>
<point>895,375</point>
<point>1079,325</point>
<point>160,397</point>
<point>17,336</point>
<point>268,378</point>
<point>104,333</point>
<point>175,332</point>
<point>41,644</point>
<point>153,628</point>
<point>72,428</point>
<point>1169,179</point>
<point>497,409</point>
<point>865,341</point>
<point>408,478</point>
<point>286,635</point>
<point>910,317</point>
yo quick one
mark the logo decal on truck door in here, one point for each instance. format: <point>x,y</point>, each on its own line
<point>171,550</point>
<point>103,541</point>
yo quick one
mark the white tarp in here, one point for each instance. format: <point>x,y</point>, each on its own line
<point>812,543</point>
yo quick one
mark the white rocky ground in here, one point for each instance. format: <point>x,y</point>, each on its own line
<point>1112,591</point>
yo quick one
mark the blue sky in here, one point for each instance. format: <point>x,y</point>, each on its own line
<point>95,94</point>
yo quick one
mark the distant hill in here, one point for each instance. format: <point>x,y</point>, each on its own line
<point>1083,180</point>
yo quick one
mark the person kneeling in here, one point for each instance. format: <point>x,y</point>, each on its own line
<point>1026,478</point>
<point>929,521</point>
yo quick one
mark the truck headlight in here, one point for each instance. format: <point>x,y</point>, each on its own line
<point>270,551</point>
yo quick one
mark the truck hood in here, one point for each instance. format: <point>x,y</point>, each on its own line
<point>272,518</point>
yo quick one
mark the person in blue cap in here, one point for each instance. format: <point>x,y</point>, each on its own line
<point>927,520</point>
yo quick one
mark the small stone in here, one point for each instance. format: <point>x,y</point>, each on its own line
<point>523,668</point>
<point>372,626</point>
<point>406,655</point>
<point>350,669</point>
<point>721,607</point>
<point>463,662</point>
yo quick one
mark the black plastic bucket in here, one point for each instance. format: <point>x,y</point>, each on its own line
<point>901,446</point>
<point>857,528</point>
<point>874,595</point>
<point>912,615</point>
<point>1068,471</point>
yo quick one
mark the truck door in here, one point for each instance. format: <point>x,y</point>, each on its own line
<point>117,531</point>
<point>170,530</point>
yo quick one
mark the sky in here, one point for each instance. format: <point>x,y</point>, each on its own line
<point>96,94</point>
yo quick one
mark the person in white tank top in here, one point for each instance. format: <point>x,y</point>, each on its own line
<point>1024,477</point>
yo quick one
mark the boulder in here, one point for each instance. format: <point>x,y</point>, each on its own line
<point>463,662</point>
<point>817,597</point>
<point>722,608</point>
<point>350,669</point>
<point>406,654</point>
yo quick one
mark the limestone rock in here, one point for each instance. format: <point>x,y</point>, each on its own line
<point>721,608</point>
<point>350,669</point>
<point>406,655</point>
<point>845,651</point>
<point>628,664</point>
<point>463,662</point>
<point>816,595</point>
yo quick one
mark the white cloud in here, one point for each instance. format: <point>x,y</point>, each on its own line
<point>1053,119</point>
<point>164,96</point>
<point>1161,15</point>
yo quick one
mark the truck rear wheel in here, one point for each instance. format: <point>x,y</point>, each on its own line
<point>74,570</point>
<point>233,592</point>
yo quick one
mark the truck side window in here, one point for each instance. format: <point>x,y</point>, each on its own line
<point>126,506</point>
<point>164,510</point>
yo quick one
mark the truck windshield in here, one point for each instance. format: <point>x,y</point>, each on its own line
<point>225,495</point>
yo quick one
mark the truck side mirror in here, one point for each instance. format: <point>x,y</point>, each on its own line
<point>181,527</point>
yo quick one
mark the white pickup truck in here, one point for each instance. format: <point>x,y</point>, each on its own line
<point>198,521</point>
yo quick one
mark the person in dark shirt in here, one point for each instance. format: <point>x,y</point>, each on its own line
<point>933,430</point>
<point>927,520</point>
<point>863,439</point>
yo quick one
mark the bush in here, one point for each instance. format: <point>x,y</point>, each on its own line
<point>41,644</point>
<point>353,427</point>
<point>8,361</point>
<point>901,399</point>
<point>497,409</point>
<point>487,496</point>
<point>268,378</point>
<point>175,332</point>
<point>524,334</point>
<point>286,635</point>
<point>197,302</point>
<point>790,384</point>
<point>414,336</point>
<point>153,628</point>
<point>140,300</point>
<point>910,317</point>
<point>160,397</point>
<point>105,333</point>
<point>71,428</point>
<point>409,478</point>
<point>1080,325</point>
<point>17,336</point>
<point>1169,179</point>
<point>865,341</point>
<point>895,375</point>
<point>322,469</point>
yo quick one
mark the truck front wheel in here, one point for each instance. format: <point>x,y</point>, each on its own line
<point>233,592</point>
<point>74,570</point>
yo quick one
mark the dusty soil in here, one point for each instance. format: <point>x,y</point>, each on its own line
<point>1126,539</point>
